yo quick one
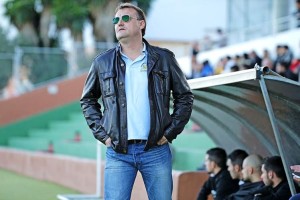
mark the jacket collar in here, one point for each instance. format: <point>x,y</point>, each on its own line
<point>152,56</point>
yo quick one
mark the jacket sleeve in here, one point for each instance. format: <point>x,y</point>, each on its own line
<point>224,188</point>
<point>182,101</point>
<point>205,191</point>
<point>265,193</point>
<point>90,106</point>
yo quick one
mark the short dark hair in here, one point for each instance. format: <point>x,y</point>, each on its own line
<point>237,157</point>
<point>140,13</point>
<point>218,155</point>
<point>274,163</point>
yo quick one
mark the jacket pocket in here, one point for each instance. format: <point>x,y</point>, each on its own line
<point>160,81</point>
<point>107,83</point>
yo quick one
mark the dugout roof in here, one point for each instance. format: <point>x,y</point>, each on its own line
<point>256,110</point>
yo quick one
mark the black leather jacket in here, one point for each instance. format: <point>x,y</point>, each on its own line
<point>280,192</point>
<point>106,79</point>
<point>219,186</point>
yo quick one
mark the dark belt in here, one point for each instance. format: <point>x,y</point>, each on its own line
<point>136,141</point>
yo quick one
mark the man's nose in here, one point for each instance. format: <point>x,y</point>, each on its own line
<point>120,22</point>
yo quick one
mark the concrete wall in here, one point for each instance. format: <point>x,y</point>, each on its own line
<point>80,174</point>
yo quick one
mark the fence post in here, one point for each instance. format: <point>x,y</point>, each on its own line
<point>16,64</point>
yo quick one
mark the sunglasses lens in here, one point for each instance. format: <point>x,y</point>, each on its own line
<point>116,20</point>
<point>125,18</point>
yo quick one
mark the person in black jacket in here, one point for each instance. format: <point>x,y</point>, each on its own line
<point>274,178</point>
<point>135,81</point>
<point>220,184</point>
<point>235,164</point>
<point>251,172</point>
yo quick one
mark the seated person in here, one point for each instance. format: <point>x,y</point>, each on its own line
<point>274,178</point>
<point>234,163</point>
<point>220,184</point>
<point>251,172</point>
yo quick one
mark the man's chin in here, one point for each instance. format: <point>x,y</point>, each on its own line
<point>120,36</point>
<point>122,39</point>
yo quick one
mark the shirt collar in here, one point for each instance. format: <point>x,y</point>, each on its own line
<point>143,51</point>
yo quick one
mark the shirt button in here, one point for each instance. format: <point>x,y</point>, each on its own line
<point>122,64</point>
<point>123,105</point>
<point>121,83</point>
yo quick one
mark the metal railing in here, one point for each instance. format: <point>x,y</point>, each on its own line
<point>30,67</point>
<point>262,29</point>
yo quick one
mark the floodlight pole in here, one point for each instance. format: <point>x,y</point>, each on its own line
<point>276,131</point>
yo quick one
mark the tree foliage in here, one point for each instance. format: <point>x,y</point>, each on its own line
<point>33,17</point>
<point>6,48</point>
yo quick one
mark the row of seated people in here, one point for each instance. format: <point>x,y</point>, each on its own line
<point>283,62</point>
<point>240,176</point>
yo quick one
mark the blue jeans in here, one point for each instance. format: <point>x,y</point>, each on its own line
<point>155,166</point>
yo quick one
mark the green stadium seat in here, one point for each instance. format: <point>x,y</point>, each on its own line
<point>32,144</point>
<point>188,149</point>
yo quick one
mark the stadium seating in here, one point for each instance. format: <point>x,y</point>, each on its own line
<point>188,149</point>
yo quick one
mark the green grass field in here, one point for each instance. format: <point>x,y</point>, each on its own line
<point>14,186</point>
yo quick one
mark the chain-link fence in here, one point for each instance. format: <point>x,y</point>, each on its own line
<point>6,71</point>
<point>30,67</point>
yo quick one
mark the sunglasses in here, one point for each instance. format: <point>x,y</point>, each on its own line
<point>124,18</point>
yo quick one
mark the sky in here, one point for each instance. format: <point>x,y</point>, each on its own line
<point>4,22</point>
<point>183,20</point>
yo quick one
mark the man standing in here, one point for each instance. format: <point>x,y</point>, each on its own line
<point>135,80</point>
<point>220,184</point>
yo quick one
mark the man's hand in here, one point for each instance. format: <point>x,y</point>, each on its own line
<point>108,142</point>
<point>162,141</point>
<point>296,168</point>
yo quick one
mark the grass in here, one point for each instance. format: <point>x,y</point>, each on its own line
<point>15,187</point>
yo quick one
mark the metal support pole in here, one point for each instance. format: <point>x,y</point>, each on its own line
<point>276,132</point>
<point>17,65</point>
<point>99,169</point>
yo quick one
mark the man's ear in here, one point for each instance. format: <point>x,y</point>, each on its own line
<point>142,24</point>
<point>250,170</point>
<point>270,174</point>
<point>213,163</point>
<point>237,168</point>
